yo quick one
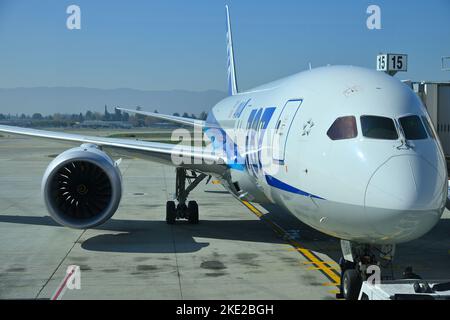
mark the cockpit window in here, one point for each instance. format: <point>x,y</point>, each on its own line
<point>378,128</point>
<point>428,127</point>
<point>413,128</point>
<point>343,128</point>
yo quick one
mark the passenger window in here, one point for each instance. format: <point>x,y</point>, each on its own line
<point>343,128</point>
<point>413,128</point>
<point>378,128</point>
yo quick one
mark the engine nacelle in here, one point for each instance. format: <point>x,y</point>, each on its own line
<point>82,187</point>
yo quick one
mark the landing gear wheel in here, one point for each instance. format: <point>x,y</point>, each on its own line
<point>184,184</point>
<point>193,212</point>
<point>182,211</point>
<point>171,212</point>
<point>351,284</point>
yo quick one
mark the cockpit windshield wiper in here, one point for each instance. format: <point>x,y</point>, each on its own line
<point>405,145</point>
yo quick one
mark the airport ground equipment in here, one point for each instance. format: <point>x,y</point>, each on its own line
<point>410,289</point>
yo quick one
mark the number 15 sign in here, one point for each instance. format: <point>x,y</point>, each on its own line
<point>392,63</point>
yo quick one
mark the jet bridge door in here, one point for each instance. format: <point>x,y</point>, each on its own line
<point>282,128</point>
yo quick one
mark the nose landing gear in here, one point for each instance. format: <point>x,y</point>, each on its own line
<point>187,211</point>
<point>363,262</point>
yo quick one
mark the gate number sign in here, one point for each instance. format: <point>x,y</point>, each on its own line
<point>392,62</point>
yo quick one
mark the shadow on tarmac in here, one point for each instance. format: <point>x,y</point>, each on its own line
<point>143,236</point>
<point>429,255</point>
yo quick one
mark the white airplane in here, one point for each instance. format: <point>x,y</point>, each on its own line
<point>352,153</point>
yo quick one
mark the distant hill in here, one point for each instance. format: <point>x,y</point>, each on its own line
<point>75,100</point>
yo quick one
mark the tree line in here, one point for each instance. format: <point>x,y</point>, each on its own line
<point>67,120</point>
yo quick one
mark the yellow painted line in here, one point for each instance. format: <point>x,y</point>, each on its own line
<point>215,182</point>
<point>253,209</point>
<point>334,291</point>
<point>314,268</point>
<point>319,268</point>
<point>330,284</point>
<point>318,264</point>
<point>331,263</point>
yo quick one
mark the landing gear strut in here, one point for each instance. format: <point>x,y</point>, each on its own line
<point>363,262</point>
<point>184,210</point>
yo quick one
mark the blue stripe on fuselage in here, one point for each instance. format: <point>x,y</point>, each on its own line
<point>233,163</point>
<point>274,182</point>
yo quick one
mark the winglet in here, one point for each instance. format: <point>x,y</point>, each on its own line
<point>232,83</point>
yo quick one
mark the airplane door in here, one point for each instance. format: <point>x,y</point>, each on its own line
<point>282,128</point>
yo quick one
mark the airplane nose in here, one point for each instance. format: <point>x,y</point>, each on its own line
<point>405,198</point>
<point>405,183</point>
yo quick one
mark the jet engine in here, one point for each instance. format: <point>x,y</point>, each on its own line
<point>82,187</point>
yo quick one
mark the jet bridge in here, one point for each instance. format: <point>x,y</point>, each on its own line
<point>436,97</point>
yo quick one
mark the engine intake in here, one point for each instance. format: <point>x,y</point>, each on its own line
<point>82,187</point>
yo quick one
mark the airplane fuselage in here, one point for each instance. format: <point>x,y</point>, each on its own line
<point>349,151</point>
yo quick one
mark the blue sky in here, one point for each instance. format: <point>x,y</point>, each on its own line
<point>175,44</point>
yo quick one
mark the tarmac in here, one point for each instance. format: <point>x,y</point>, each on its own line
<point>238,251</point>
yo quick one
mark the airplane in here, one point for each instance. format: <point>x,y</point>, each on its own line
<point>347,150</point>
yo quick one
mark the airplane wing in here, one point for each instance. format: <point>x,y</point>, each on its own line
<point>195,158</point>
<point>180,120</point>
